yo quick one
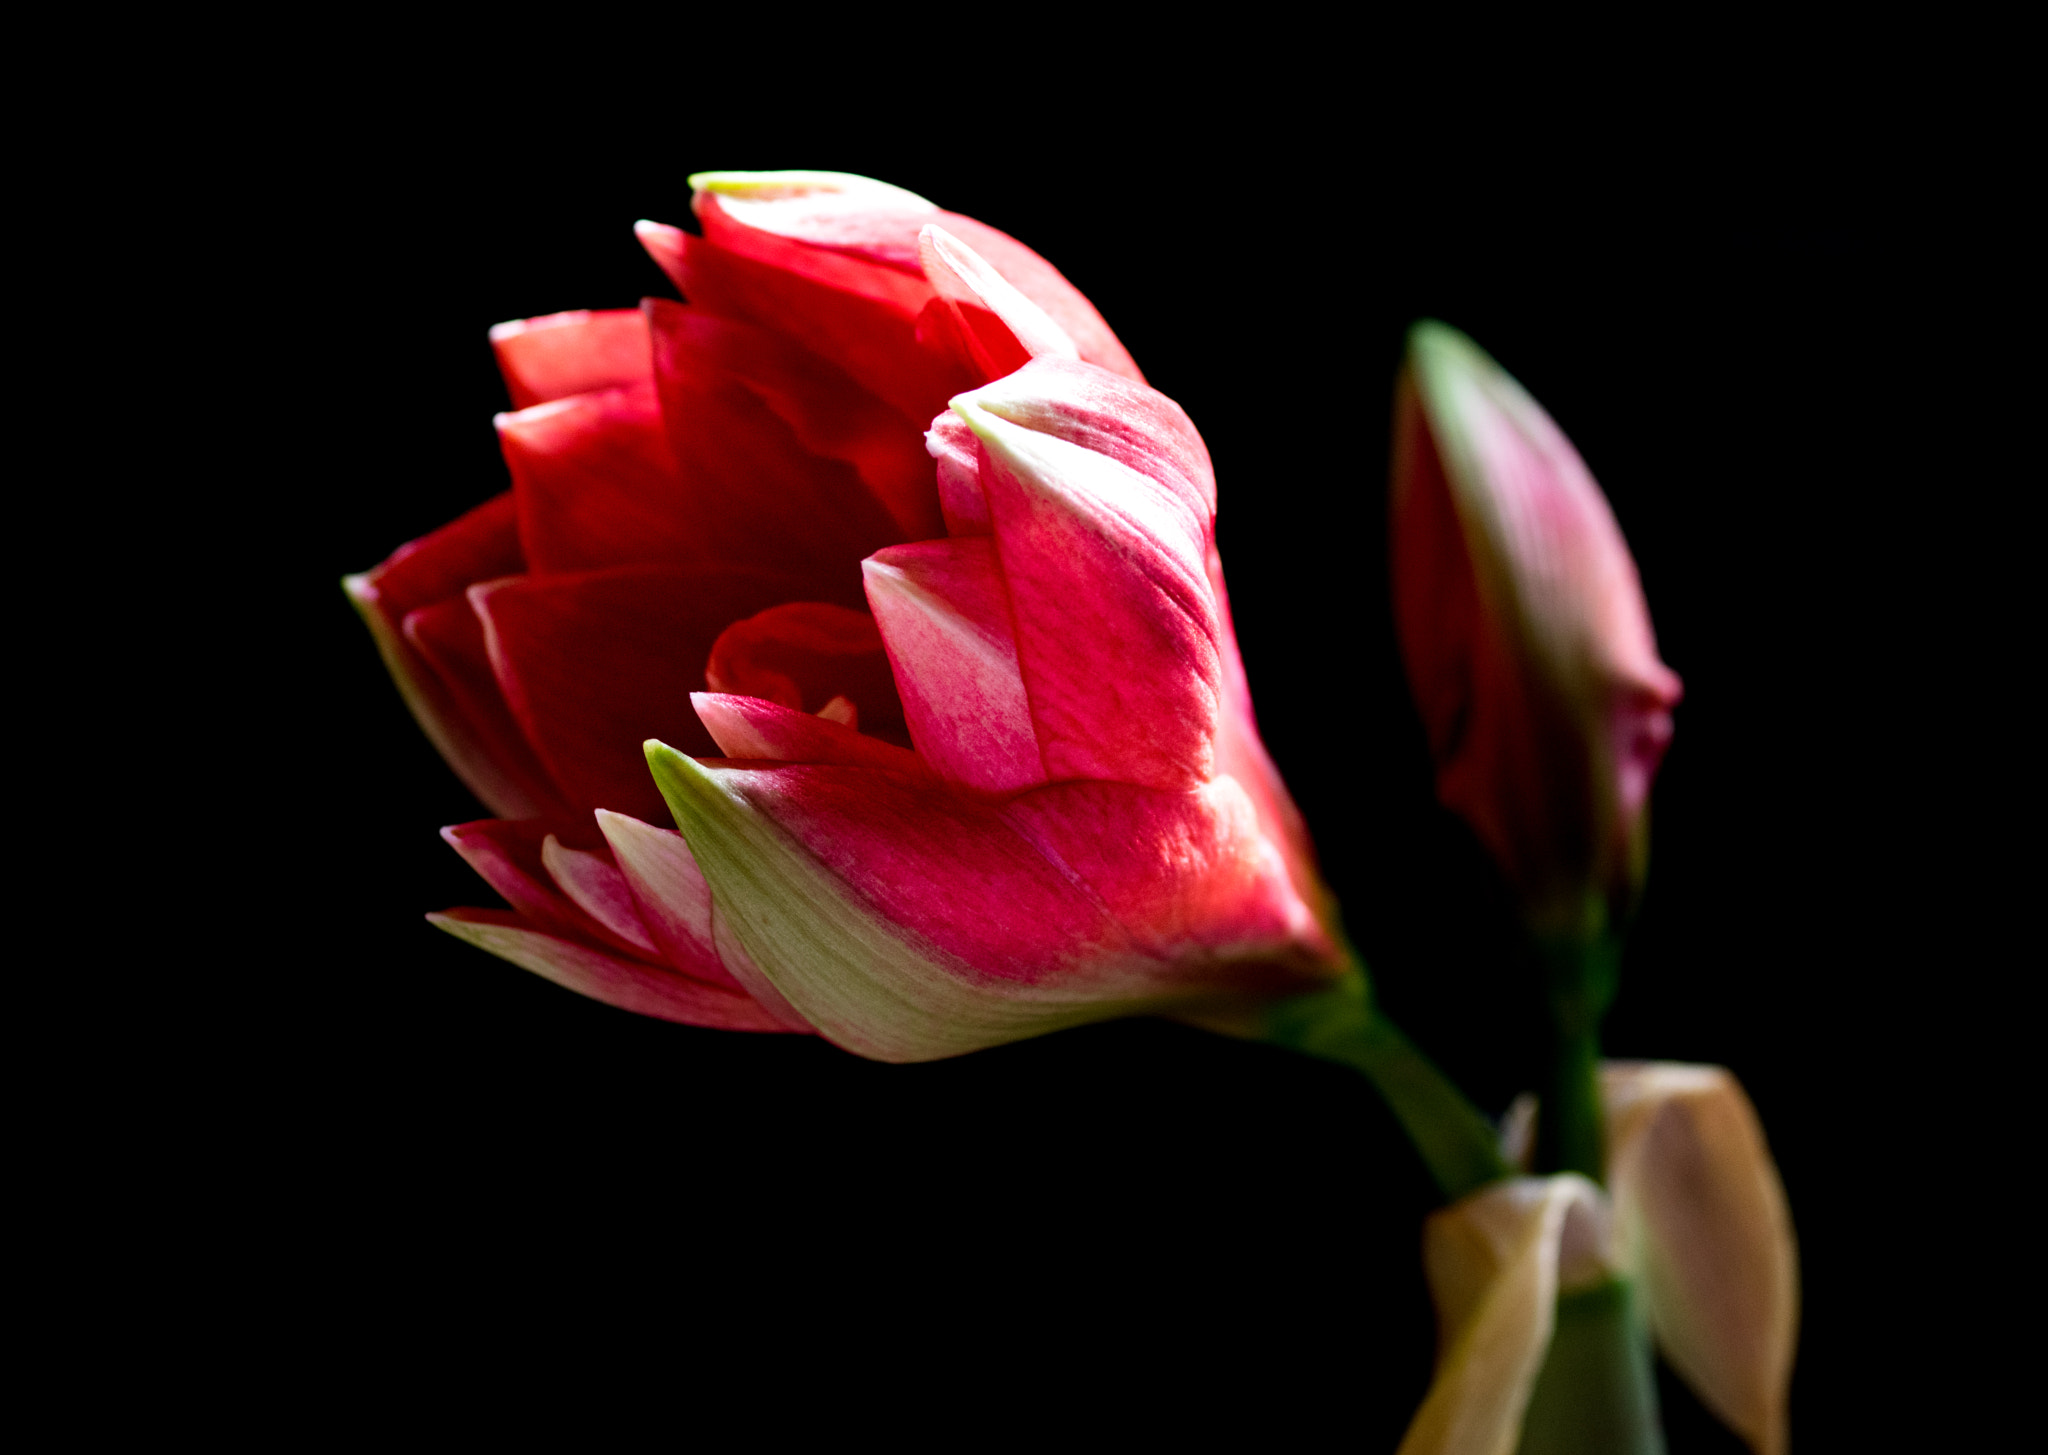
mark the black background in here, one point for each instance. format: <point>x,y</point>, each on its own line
<point>1183,1227</point>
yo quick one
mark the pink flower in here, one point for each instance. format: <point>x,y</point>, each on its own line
<point>883,531</point>
<point>1525,635</point>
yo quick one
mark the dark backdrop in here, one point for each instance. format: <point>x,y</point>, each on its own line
<point>1173,1220</point>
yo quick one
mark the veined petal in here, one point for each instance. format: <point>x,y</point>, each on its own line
<point>749,727</point>
<point>1496,1262</point>
<point>1703,1218</point>
<point>477,546</point>
<point>944,614</point>
<point>614,979</point>
<point>1116,628</point>
<point>571,353</point>
<point>670,893</point>
<point>597,484</point>
<point>802,655</point>
<point>952,445</point>
<point>592,663</point>
<point>1003,329</point>
<point>908,922</point>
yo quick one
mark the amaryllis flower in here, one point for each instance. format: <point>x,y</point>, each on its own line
<point>1525,635</point>
<point>880,553</point>
<point>1691,1234</point>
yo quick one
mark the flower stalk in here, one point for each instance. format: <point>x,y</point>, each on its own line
<point>1581,977</point>
<point>1458,1144</point>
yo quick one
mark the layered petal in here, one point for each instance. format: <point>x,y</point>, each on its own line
<point>592,664</point>
<point>1524,631</point>
<point>597,484</point>
<point>449,640</point>
<point>862,235</point>
<point>1702,1216</point>
<point>755,490</point>
<point>944,612</point>
<point>1103,538</point>
<point>750,727</point>
<point>907,922</point>
<point>1498,1261</point>
<point>436,568</point>
<point>998,328</point>
<point>872,339</point>
<point>571,353</point>
<point>614,979</point>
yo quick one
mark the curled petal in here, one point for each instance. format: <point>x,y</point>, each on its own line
<point>832,225</point>
<point>907,922</point>
<point>1001,328</point>
<point>1116,627</point>
<point>614,979</point>
<point>449,640</point>
<point>958,454</point>
<point>1497,1261</point>
<point>945,614</point>
<point>803,654</point>
<point>571,353</point>
<point>1703,1217</point>
<point>872,339</point>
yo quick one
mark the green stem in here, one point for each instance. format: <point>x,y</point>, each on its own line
<point>1459,1145</point>
<point>1597,1392</point>
<point>1570,1130</point>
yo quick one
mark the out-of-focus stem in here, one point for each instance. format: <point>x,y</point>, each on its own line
<point>1570,1136</point>
<point>1458,1145</point>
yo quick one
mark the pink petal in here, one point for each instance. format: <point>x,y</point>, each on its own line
<point>1117,629</point>
<point>571,353</point>
<point>749,727</point>
<point>1003,330</point>
<point>1241,754</point>
<point>802,654</point>
<point>676,906</point>
<point>944,612</point>
<point>952,444</point>
<point>595,886</point>
<point>511,858</point>
<point>615,980</point>
<point>592,665</point>
<point>597,484</point>
<point>832,414</point>
<point>872,340</point>
<point>862,235</point>
<point>906,921</point>
<point>448,642</point>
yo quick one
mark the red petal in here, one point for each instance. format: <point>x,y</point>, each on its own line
<point>674,901</point>
<point>945,615</point>
<point>449,640</point>
<point>830,413</point>
<point>749,727</point>
<point>511,857</point>
<point>802,654</point>
<point>617,981</point>
<point>593,665</point>
<point>952,444</point>
<point>479,546</point>
<point>597,485</point>
<point>756,493</point>
<point>571,353</point>
<point>874,341</point>
<point>594,885</point>
<point>1001,327</point>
